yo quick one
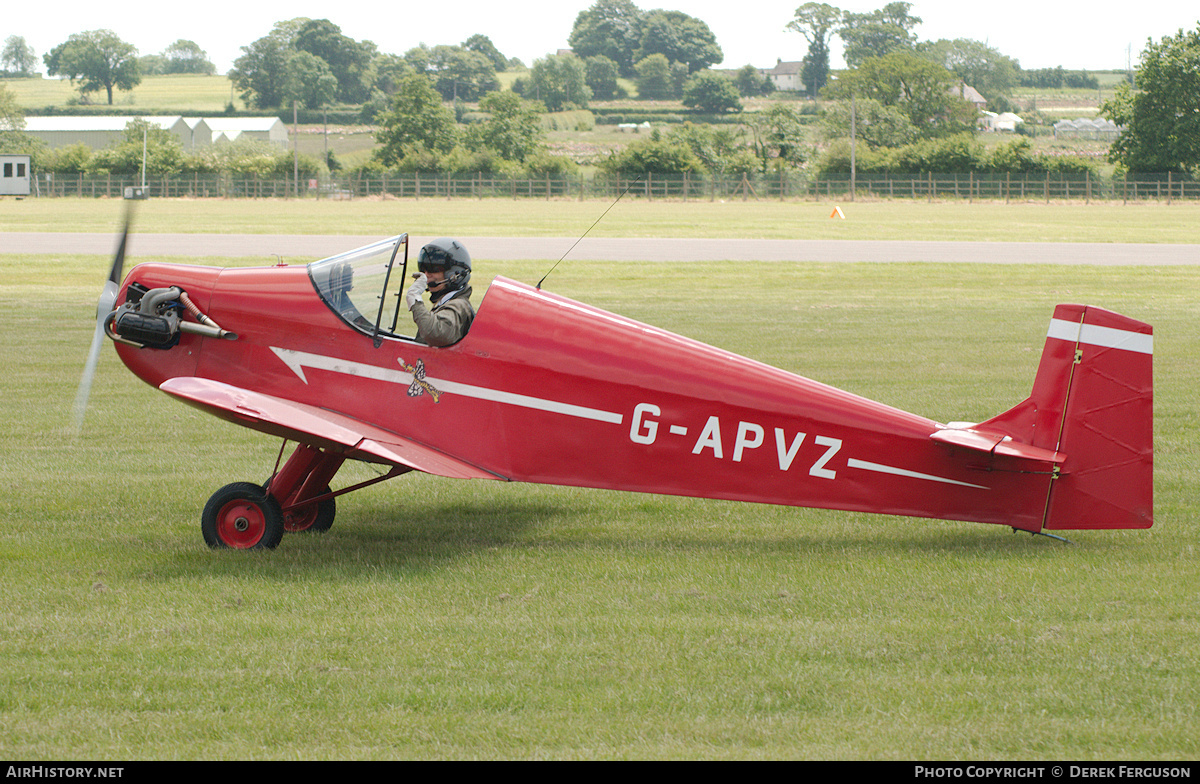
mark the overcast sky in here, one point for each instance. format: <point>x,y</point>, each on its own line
<point>1099,35</point>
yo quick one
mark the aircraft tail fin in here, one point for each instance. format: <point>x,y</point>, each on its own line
<point>1092,401</point>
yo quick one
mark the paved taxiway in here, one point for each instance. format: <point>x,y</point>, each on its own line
<point>305,247</point>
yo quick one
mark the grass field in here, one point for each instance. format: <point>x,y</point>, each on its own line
<point>189,94</point>
<point>1178,222</point>
<point>451,620</point>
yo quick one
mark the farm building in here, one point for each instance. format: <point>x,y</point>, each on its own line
<point>268,129</point>
<point>192,132</point>
<point>100,132</point>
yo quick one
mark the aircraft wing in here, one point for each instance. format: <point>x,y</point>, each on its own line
<point>317,426</point>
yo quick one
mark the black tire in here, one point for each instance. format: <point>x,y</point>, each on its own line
<point>313,518</point>
<point>243,517</point>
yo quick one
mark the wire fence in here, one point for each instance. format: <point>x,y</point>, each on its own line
<point>969,186</point>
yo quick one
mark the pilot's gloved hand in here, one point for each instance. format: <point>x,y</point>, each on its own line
<point>416,290</point>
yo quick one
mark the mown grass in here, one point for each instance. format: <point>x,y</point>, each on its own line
<point>443,619</point>
<point>1177,222</point>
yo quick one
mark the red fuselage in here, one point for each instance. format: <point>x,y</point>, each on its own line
<point>545,389</point>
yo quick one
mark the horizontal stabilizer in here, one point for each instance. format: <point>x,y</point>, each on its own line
<point>996,444</point>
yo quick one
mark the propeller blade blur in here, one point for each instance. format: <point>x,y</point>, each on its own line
<point>108,299</point>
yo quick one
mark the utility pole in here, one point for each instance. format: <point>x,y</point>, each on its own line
<point>295,151</point>
<point>853,143</point>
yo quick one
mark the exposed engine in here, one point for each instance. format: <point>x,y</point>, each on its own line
<point>153,318</point>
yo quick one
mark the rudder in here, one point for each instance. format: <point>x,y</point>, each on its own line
<point>1093,400</point>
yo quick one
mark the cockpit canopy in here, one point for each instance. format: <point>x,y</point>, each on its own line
<point>365,286</point>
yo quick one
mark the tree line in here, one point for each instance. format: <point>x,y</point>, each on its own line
<point>903,91</point>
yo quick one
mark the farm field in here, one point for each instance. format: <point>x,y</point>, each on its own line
<point>478,620</point>
<point>187,94</point>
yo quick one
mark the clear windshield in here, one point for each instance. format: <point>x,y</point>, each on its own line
<point>365,286</point>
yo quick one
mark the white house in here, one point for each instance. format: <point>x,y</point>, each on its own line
<point>785,76</point>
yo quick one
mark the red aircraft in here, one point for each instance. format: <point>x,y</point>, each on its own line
<point>546,389</point>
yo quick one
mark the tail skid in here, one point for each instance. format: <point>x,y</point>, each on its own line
<point>1092,404</point>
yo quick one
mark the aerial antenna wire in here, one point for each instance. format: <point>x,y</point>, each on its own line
<point>632,182</point>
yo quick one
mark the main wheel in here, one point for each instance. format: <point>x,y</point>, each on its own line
<point>314,518</point>
<point>243,517</point>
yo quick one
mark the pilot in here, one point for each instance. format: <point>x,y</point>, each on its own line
<point>445,272</point>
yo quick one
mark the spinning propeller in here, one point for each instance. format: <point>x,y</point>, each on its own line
<point>108,298</point>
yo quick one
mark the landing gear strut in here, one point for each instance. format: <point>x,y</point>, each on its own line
<point>297,498</point>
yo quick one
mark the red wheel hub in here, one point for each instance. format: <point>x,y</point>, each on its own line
<point>241,524</point>
<point>300,519</point>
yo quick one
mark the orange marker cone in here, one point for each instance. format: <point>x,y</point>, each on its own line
<point>837,213</point>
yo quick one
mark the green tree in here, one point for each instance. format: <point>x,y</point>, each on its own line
<point>975,63</point>
<point>457,73</point>
<point>1162,119</point>
<point>1015,156</point>
<point>721,149</point>
<point>349,61</point>
<point>17,57</point>
<point>261,73</point>
<point>655,155</point>
<point>162,150</point>
<point>310,81</point>
<point>70,159</point>
<point>389,69</point>
<point>779,135</point>
<point>678,37</point>
<point>559,82</point>
<point>875,124</point>
<point>750,83</point>
<point>417,124</point>
<point>12,118</point>
<point>95,60</point>
<point>484,46</point>
<point>916,86</point>
<point>601,75</point>
<point>957,153</point>
<point>653,78</point>
<point>817,22</point>
<point>611,28</point>
<point>513,128</point>
<point>711,92</point>
<point>877,33</point>
<point>152,65</point>
<point>13,138</point>
<point>186,57</point>
<point>814,69</point>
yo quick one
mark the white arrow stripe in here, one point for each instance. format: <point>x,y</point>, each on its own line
<point>298,360</point>
<point>884,469</point>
